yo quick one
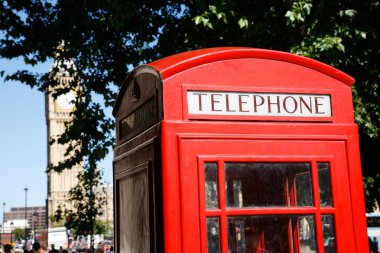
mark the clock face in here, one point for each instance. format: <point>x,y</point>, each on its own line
<point>66,101</point>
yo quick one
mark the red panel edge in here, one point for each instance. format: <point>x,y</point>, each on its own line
<point>171,190</point>
<point>357,192</point>
<point>177,63</point>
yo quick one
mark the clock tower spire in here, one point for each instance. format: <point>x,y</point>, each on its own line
<point>58,112</point>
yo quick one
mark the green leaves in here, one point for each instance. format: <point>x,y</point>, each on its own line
<point>88,200</point>
<point>105,39</point>
<point>218,15</point>
<point>372,186</point>
<point>206,17</point>
<point>203,20</point>
<point>300,10</point>
<point>328,43</point>
<point>243,22</point>
<point>349,13</point>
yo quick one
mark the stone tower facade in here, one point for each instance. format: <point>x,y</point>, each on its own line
<point>57,111</point>
<point>59,184</point>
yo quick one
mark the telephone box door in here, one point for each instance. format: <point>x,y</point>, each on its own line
<point>260,195</point>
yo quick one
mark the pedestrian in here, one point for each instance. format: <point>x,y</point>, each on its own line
<point>53,250</point>
<point>375,245</point>
<point>7,248</point>
<point>99,250</point>
<point>36,247</point>
<point>111,250</point>
<point>25,250</point>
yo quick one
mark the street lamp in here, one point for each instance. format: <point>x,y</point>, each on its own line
<point>2,225</point>
<point>26,206</point>
<point>12,233</point>
<point>3,213</point>
<point>35,216</point>
<point>106,207</point>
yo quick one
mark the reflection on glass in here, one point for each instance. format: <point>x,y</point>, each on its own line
<point>328,233</point>
<point>211,185</point>
<point>213,236</point>
<point>237,186</point>
<point>271,233</point>
<point>306,228</point>
<point>303,189</point>
<point>324,184</point>
<point>268,184</point>
<point>373,220</point>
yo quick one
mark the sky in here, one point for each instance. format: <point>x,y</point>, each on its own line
<point>23,142</point>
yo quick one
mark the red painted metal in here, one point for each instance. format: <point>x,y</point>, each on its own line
<point>189,140</point>
<point>213,146</point>
<point>247,70</point>
<point>175,64</point>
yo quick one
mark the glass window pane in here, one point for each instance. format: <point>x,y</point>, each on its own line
<point>324,184</point>
<point>328,233</point>
<point>271,233</point>
<point>213,235</point>
<point>211,185</point>
<point>373,221</point>
<point>268,184</point>
<point>306,229</point>
<point>304,189</point>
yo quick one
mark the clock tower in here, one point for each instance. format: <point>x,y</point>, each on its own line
<point>57,114</point>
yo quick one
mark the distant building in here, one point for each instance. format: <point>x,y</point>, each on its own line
<point>107,216</point>
<point>35,216</point>
<point>13,224</point>
<point>58,113</point>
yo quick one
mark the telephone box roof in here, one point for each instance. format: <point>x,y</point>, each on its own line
<point>174,64</point>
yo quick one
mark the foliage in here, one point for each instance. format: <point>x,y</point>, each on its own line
<point>55,220</point>
<point>346,36</point>
<point>88,201</point>
<point>106,38</point>
<point>19,233</point>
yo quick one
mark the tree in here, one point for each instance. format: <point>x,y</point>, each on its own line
<point>346,36</point>
<point>19,233</point>
<point>106,38</point>
<point>88,201</point>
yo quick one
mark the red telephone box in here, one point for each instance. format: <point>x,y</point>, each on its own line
<point>237,150</point>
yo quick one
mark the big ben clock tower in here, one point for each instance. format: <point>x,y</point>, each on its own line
<point>57,114</point>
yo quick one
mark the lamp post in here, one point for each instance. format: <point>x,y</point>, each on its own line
<point>35,216</point>
<point>105,190</point>
<point>3,213</point>
<point>26,206</point>
<point>2,225</point>
<point>12,233</point>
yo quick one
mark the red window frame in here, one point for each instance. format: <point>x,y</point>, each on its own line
<point>223,211</point>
